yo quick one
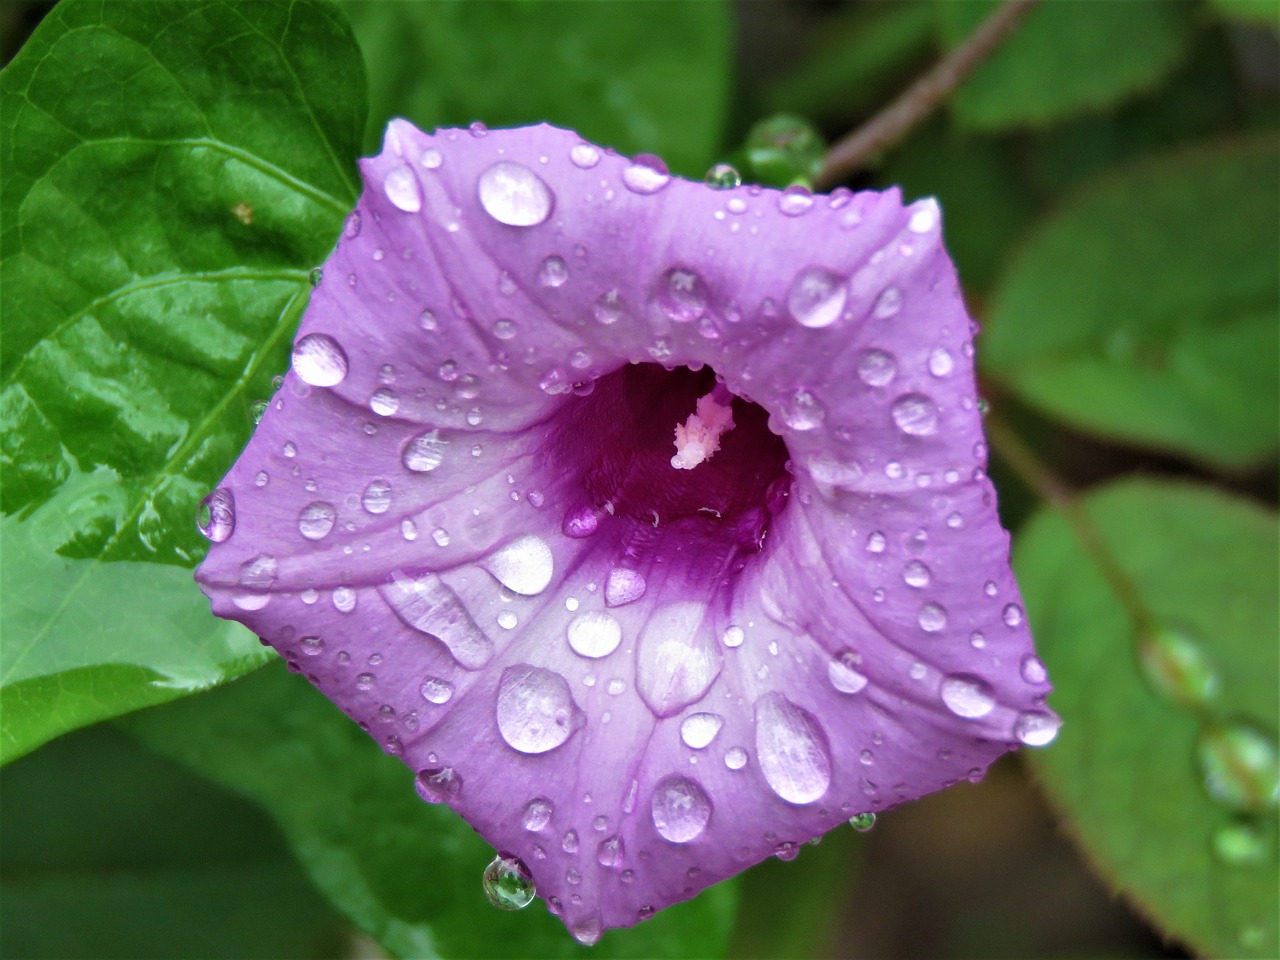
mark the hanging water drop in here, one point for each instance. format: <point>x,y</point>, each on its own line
<point>402,189</point>
<point>646,175</point>
<point>1176,666</point>
<point>216,517</point>
<point>508,884</point>
<point>862,822</point>
<point>1240,767</point>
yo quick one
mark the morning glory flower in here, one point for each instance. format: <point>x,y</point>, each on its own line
<point>646,522</point>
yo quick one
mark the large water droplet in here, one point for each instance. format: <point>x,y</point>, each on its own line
<point>524,565</point>
<point>537,814</point>
<point>623,586</point>
<point>792,749</point>
<point>377,497</point>
<point>680,809</point>
<point>587,931</point>
<point>513,194</point>
<point>424,452</point>
<point>816,297</point>
<point>677,660</point>
<point>438,784</point>
<point>862,822</point>
<point>842,673</point>
<point>508,884</point>
<point>217,515</point>
<point>916,574</point>
<point>594,634</point>
<point>316,520</point>
<point>319,360</point>
<point>402,189</point>
<point>916,415</point>
<point>1036,729</point>
<point>1240,766</point>
<point>646,174</point>
<point>427,604</point>
<point>876,368</point>
<point>535,710</point>
<point>967,696</point>
<point>682,296</point>
<point>436,690</point>
<point>803,411</point>
<point>1177,667</point>
<point>698,729</point>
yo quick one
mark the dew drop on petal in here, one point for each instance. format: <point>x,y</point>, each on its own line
<point>816,297</point>
<point>503,329</point>
<point>681,295</point>
<point>377,497</point>
<point>722,176</point>
<point>316,520</point>
<point>436,690</point>
<point>916,415</point>
<point>594,634</point>
<point>844,676</point>
<point>580,522</point>
<point>438,784</point>
<point>535,711</point>
<point>508,884</point>
<point>217,517</point>
<point>792,750</point>
<point>424,452</point>
<point>733,636</point>
<point>916,574</point>
<point>924,216</point>
<point>608,309</point>
<point>680,809</point>
<point>384,402</point>
<point>319,360</point>
<point>887,304</point>
<point>967,696</point>
<point>1240,766</point>
<point>1033,670</point>
<point>1036,729</point>
<point>940,363</point>
<point>794,201</point>
<point>735,758</point>
<point>260,572</point>
<point>553,272</point>
<point>513,194</point>
<point>429,605</point>
<point>862,822</point>
<point>1012,615</point>
<point>609,851</point>
<point>698,729</point>
<point>646,174</point>
<point>584,155</point>
<point>623,586</point>
<point>676,660</point>
<point>876,368</point>
<point>587,931</point>
<point>524,565</point>
<point>432,158</point>
<point>803,411</point>
<point>537,814</point>
<point>402,189</point>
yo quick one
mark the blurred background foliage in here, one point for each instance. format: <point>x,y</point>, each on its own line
<point>1111,189</point>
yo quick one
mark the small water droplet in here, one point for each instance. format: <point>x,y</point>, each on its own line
<point>698,729</point>
<point>722,176</point>
<point>584,155</point>
<point>623,586</point>
<point>384,402</point>
<point>876,368</point>
<point>795,200</point>
<point>377,497</point>
<point>315,276</point>
<point>503,329</point>
<point>436,690</point>
<point>587,931</point>
<point>924,216</point>
<point>733,636</point>
<point>1036,729</point>
<point>316,520</point>
<point>816,297</point>
<point>940,363</point>
<point>580,522</point>
<point>646,175</point>
<point>609,851</point>
<point>319,360</point>
<point>1033,670</point>
<point>535,711</point>
<point>432,158</point>
<point>608,309</point>
<point>887,304</point>
<point>216,518</point>
<point>682,296</point>
<point>569,844</point>
<point>1240,843</point>
<point>1240,767</point>
<point>1012,615</point>
<point>967,696</point>
<point>553,272</point>
<point>843,674</point>
<point>514,195</point>
<point>1177,667</point>
<point>508,884</point>
<point>402,189</point>
<point>803,411</point>
<point>260,572</point>
<point>507,620</point>
<point>537,814</point>
<point>916,415</point>
<point>680,809</point>
<point>438,784</point>
<point>594,634</point>
<point>876,542</point>
<point>916,574</point>
<point>932,617</point>
<point>424,452</point>
<point>735,758</point>
<point>862,822</point>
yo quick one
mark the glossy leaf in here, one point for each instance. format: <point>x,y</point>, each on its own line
<point>110,851</point>
<point>171,173</point>
<point>627,74</point>
<point>406,872</point>
<point>1124,768</point>
<point>1065,58</point>
<point>1146,308</point>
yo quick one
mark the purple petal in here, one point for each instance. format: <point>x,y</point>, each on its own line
<point>460,518</point>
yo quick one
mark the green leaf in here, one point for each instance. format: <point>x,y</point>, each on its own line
<point>629,74</point>
<point>171,171</point>
<point>1066,57</point>
<point>406,872</point>
<point>1263,12</point>
<point>1124,768</point>
<point>1145,309</point>
<point>111,852</point>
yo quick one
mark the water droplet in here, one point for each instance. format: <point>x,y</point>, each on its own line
<point>429,605</point>
<point>722,176</point>
<point>940,363</point>
<point>735,758</point>
<point>377,497</point>
<point>259,573</point>
<point>537,814</point>
<point>1012,615</point>
<point>1240,843</point>
<point>623,586</point>
<point>401,188</point>
<point>535,711</point>
<point>524,566</point>
<point>315,276</point>
<point>924,216</point>
<point>932,617</point>
<point>842,673</point>
<point>436,690</point>
<point>816,297</point>
<point>216,518</point>
<point>609,851</point>
<point>319,360</point>
<point>803,411</point>
<point>916,415</point>
<point>733,636</point>
<point>608,309</point>
<point>424,452</point>
<point>580,521</point>
<point>876,368</point>
<point>680,809</point>
<point>427,320</point>
<point>584,155</point>
<point>507,883</point>
<point>792,750</point>
<point>1036,729</point>
<point>384,402</point>
<point>916,574</point>
<point>682,296</point>
<point>1240,766</point>
<point>408,530</point>
<point>887,304</point>
<point>1033,670</point>
<point>587,931</point>
<point>553,272</point>
<point>503,329</point>
<point>862,822</point>
<point>344,599</point>
<point>876,542</point>
<point>594,634</point>
<point>795,200</point>
<point>513,194</point>
<point>316,520</point>
<point>676,659</point>
<point>698,729</point>
<point>646,175</point>
<point>431,158</point>
<point>438,784</point>
<point>1176,666</point>
<point>967,696</point>
<point>507,620</point>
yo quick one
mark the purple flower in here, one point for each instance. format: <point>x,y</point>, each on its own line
<point>646,522</point>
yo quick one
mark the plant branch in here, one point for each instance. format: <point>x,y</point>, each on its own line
<point>887,127</point>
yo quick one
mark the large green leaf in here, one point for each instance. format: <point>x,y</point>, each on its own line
<point>1124,768</point>
<point>1146,308</point>
<point>171,171</point>
<point>110,851</point>
<point>1067,57</point>
<point>406,872</point>
<point>638,76</point>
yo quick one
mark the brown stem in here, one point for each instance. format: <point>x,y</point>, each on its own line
<point>923,97</point>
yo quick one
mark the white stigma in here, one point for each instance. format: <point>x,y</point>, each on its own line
<point>698,438</point>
